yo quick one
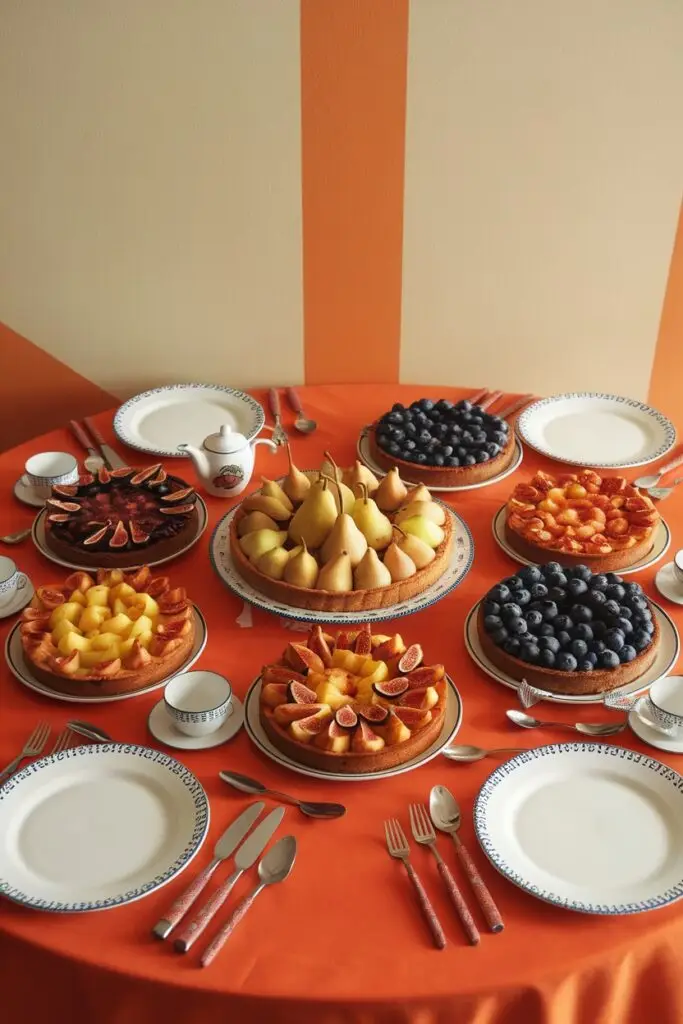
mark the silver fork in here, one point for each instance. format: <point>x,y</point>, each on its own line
<point>397,845</point>
<point>660,493</point>
<point>33,746</point>
<point>423,832</point>
<point>63,741</point>
<point>279,435</point>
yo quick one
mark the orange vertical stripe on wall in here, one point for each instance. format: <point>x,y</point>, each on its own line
<point>667,368</point>
<point>353,104</point>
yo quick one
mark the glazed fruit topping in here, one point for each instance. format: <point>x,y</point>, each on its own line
<point>346,717</point>
<point>391,688</point>
<point>442,433</point>
<point>301,694</point>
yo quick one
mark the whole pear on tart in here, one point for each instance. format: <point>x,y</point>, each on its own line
<point>340,540</point>
<point>352,702</point>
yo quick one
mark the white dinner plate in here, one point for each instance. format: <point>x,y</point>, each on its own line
<point>38,534</point>
<point>157,421</point>
<point>667,655</point>
<point>590,429</point>
<point>21,669</point>
<point>662,540</point>
<point>462,555</point>
<point>586,826</point>
<point>98,826</point>
<point>364,454</point>
<point>257,735</point>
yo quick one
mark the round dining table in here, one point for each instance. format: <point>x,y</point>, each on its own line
<point>342,940</point>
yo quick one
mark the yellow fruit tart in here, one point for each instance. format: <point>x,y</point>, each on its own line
<point>341,542</point>
<point>581,518</point>
<point>108,635</point>
<point>353,703</point>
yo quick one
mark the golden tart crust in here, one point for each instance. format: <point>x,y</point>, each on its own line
<point>440,476</point>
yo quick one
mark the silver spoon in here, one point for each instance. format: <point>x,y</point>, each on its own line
<point>660,493</point>
<point>465,754</point>
<point>91,732</point>
<point>311,809</point>
<point>15,538</point>
<point>652,479</point>
<point>273,868</point>
<point>303,425</point>
<point>587,728</point>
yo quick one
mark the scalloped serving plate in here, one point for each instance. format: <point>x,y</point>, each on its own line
<point>98,826</point>
<point>157,421</point>
<point>588,827</point>
<point>462,556</point>
<point>590,429</point>
<point>257,735</point>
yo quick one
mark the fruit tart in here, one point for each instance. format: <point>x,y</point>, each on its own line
<point>120,517</point>
<point>568,630</point>
<point>352,703</point>
<point>582,517</point>
<point>444,444</point>
<point>109,635</point>
<point>329,545</point>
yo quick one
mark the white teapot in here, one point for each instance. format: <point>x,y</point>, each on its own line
<point>225,461</point>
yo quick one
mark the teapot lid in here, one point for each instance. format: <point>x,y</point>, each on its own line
<point>226,441</point>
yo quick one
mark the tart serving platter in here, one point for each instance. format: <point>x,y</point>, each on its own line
<point>661,542</point>
<point>667,655</point>
<point>257,735</point>
<point>98,826</point>
<point>364,454</point>
<point>38,534</point>
<point>596,430</point>
<point>462,555</point>
<point>14,656</point>
<point>588,827</point>
<point>157,421</point>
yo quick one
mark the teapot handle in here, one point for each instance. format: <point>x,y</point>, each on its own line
<point>266,440</point>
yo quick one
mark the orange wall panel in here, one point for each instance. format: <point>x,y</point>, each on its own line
<point>667,370</point>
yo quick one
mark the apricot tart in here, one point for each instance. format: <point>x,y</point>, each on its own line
<point>568,630</point>
<point>442,443</point>
<point>114,634</point>
<point>602,521</point>
<point>120,517</point>
<point>353,703</point>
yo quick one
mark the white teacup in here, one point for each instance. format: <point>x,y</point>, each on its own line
<point>677,566</point>
<point>11,580</point>
<point>198,702</point>
<point>50,469</point>
<point>662,707</point>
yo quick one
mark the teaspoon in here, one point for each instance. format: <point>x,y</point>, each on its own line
<point>91,732</point>
<point>465,754</point>
<point>301,423</point>
<point>15,538</point>
<point>586,728</point>
<point>311,809</point>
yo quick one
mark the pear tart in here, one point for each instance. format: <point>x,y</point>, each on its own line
<point>444,444</point>
<point>353,703</point>
<point>321,545</point>
<point>568,630</point>
<point>582,517</point>
<point>120,517</point>
<point>107,636</point>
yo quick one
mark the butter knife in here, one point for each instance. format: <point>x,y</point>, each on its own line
<point>248,854</point>
<point>230,839</point>
<point>111,458</point>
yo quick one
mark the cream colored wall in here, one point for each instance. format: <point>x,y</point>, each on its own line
<point>544,164</point>
<point>150,187</point>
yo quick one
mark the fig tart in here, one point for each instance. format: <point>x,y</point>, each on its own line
<point>568,630</point>
<point>121,517</point>
<point>109,635</point>
<point>352,703</point>
<point>581,518</point>
<point>443,443</point>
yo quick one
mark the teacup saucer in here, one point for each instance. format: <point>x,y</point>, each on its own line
<point>162,728</point>
<point>20,599</point>
<point>653,737</point>
<point>24,492</point>
<point>667,584</point>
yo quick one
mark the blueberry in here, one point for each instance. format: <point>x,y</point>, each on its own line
<point>558,594</point>
<point>482,456</point>
<point>466,437</point>
<point>395,417</point>
<point>426,404</point>
<point>581,613</point>
<point>394,449</point>
<point>592,657</point>
<point>421,457</point>
<point>530,574</point>
<point>464,405</point>
<point>550,567</point>
<point>599,582</point>
<point>549,611</point>
<point>581,572</point>
<point>564,638</point>
<point>499,437</point>
<point>627,653</point>
<point>399,435</point>
<point>614,639</point>
<point>556,579</point>
<point>539,590</point>
<point>546,629</point>
<point>498,635</point>
<point>639,603</point>
<point>582,631</point>
<point>443,405</point>
<point>537,606</point>
<point>516,627</point>
<point>599,629</point>
<point>615,592</point>
<point>512,646</point>
<point>469,460</point>
<point>577,587</point>
<point>477,419</point>
<point>563,622</point>
<point>510,610</point>
<point>530,653</point>
<point>523,597</point>
<point>410,429</point>
<point>597,646</point>
<point>626,612</point>
<point>547,659</point>
<point>440,429</point>
<point>439,460</point>
<point>597,598</point>
<point>447,450</point>
<point>534,618</point>
<point>612,607</point>
<point>397,407</point>
<point>492,622</point>
<point>461,452</point>
<point>425,436</point>
<point>608,659</point>
<point>492,449</point>
<point>632,589</point>
<point>408,445</point>
<point>452,460</point>
<point>579,648</point>
<point>566,662</point>
<point>528,638</point>
<point>549,643</point>
<point>624,625</point>
<point>613,577</point>
<point>640,639</point>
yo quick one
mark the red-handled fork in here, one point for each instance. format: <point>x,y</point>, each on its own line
<point>397,844</point>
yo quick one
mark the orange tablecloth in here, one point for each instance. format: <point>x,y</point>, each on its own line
<point>342,940</point>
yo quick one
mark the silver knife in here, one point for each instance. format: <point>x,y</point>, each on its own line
<point>111,458</point>
<point>248,853</point>
<point>230,839</point>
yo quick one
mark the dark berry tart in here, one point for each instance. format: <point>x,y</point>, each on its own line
<point>442,443</point>
<point>571,645</point>
<point>120,518</point>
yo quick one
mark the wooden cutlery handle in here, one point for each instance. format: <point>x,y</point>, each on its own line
<point>458,900</point>
<point>163,928</point>
<point>476,398</point>
<point>519,403</point>
<point>483,896</point>
<point>218,941</point>
<point>195,928</point>
<point>293,400</point>
<point>274,401</point>
<point>678,461</point>
<point>94,430</point>
<point>80,435</point>
<point>490,400</point>
<point>427,909</point>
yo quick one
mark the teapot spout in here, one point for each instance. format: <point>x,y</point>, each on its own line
<point>201,462</point>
